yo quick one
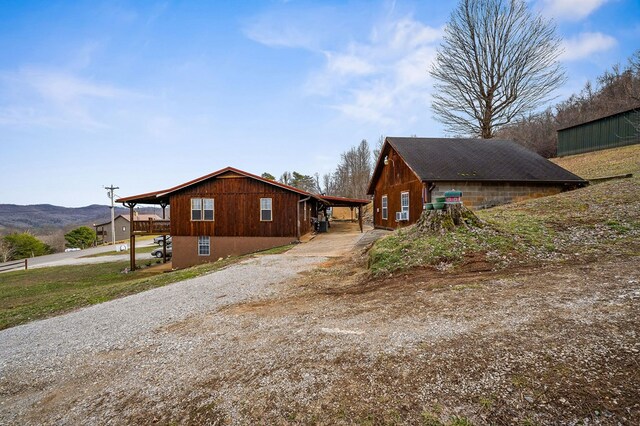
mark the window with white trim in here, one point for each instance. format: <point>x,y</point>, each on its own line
<point>385,207</point>
<point>202,209</point>
<point>266,211</point>
<point>196,209</point>
<point>204,246</point>
<point>207,208</point>
<point>404,204</point>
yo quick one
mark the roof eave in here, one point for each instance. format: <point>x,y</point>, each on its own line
<point>580,181</point>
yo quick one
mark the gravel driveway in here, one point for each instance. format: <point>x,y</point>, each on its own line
<point>43,354</point>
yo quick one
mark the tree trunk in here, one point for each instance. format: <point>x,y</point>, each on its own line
<point>443,221</point>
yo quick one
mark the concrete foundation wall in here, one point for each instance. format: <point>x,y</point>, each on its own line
<point>482,195</point>
<point>185,249</point>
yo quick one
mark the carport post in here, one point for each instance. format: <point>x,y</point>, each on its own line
<point>132,238</point>
<point>164,237</point>
<point>360,218</point>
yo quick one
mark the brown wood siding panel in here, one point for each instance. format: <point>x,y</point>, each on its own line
<point>305,225</point>
<point>395,178</point>
<point>237,209</point>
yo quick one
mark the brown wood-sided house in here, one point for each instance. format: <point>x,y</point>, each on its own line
<point>413,171</point>
<point>231,212</point>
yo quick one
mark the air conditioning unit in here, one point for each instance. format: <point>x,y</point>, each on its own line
<point>400,216</point>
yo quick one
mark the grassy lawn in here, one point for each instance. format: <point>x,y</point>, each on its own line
<point>40,293</point>
<point>276,250</point>
<point>608,162</point>
<point>146,249</point>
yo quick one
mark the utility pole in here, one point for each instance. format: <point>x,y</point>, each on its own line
<point>110,190</point>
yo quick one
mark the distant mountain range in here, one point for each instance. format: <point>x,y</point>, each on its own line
<point>47,216</point>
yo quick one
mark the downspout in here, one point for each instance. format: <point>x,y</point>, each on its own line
<point>430,188</point>
<point>304,200</point>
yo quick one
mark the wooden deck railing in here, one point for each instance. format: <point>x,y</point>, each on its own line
<point>142,227</point>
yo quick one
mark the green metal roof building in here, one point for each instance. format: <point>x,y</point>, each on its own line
<point>612,131</point>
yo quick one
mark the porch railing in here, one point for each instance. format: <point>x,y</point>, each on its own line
<point>151,226</point>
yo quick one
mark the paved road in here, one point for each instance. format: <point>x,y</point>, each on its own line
<point>76,257</point>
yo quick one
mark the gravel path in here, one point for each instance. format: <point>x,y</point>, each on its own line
<point>48,350</point>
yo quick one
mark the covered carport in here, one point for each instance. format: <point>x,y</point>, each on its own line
<point>351,203</point>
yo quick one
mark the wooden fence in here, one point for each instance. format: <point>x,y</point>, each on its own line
<point>18,264</point>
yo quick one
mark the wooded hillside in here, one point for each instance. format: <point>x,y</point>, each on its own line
<point>616,90</point>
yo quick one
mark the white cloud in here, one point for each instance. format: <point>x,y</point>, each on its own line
<point>380,74</point>
<point>569,10</point>
<point>53,98</point>
<point>348,64</point>
<point>386,80</point>
<point>292,27</point>
<point>63,88</point>
<point>586,44</point>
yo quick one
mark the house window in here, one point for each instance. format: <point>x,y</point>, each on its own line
<point>196,209</point>
<point>207,208</point>
<point>385,208</point>
<point>265,209</point>
<point>204,246</point>
<point>404,204</point>
<point>202,209</point>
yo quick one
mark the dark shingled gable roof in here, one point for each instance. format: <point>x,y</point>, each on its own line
<point>448,159</point>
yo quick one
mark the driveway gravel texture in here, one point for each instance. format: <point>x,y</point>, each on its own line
<point>52,356</point>
<point>286,339</point>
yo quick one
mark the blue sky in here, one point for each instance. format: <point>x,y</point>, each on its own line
<point>147,95</point>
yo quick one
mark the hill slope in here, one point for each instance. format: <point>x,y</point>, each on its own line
<point>582,224</point>
<point>608,162</point>
<point>41,216</point>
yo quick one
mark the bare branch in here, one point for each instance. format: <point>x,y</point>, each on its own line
<point>497,62</point>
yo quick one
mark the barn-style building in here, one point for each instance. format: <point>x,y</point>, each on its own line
<point>231,212</point>
<point>412,171</point>
<point>612,131</point>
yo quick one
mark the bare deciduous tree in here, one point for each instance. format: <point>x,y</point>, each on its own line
<point>378,148</point>
<point>498,61</point>
<point>352,174</point>
<point>6,250</point>
<point>536,132</point>
<point>286,178</point>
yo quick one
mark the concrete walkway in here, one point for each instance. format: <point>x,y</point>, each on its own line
<point>342,238</point>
